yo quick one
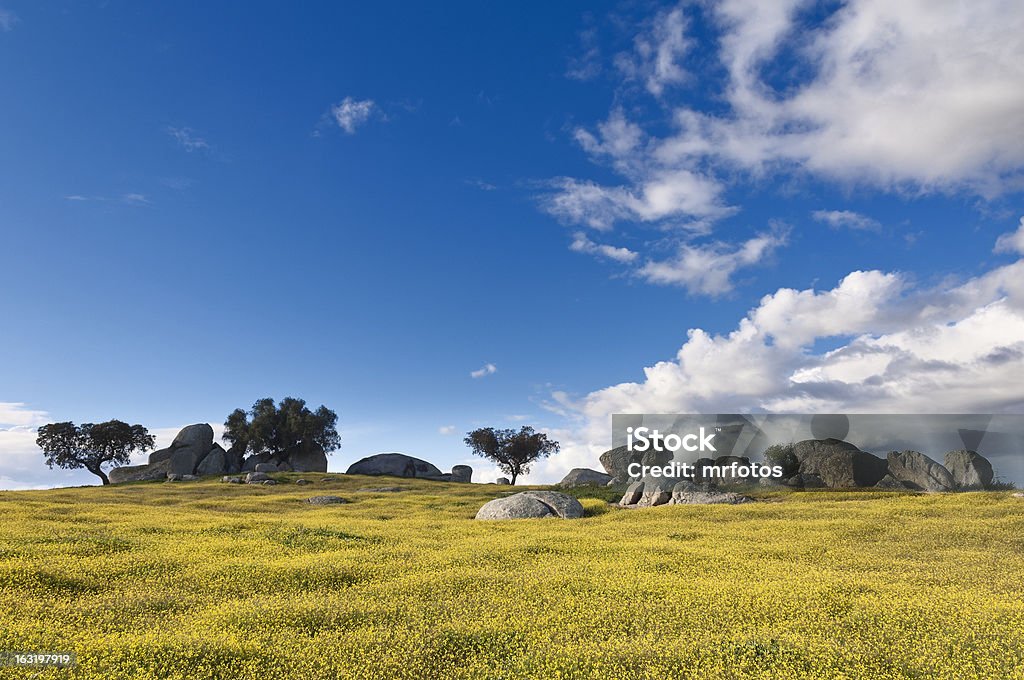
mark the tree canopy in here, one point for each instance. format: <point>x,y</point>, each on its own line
<point>513,451</point>
<point>270,428</point>
<point>91,446</point>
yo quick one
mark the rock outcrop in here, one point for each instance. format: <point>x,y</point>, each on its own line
<point>918,471</point>
<point>394,465</point>
<point>616,461</point>
<point>462,473</point>
<point>532,504</point>
<point>584,477</point>
<point>970,470</point>
<point>663,491</point>
<point>838,464</point>
<point>140,473</point>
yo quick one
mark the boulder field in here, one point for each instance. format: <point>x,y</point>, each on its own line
<point>821,463</point>
<point>193,453</point>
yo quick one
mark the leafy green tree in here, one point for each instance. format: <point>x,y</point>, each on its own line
<point>91,446</point>
<point>513,451</point>
<point>272,428</point>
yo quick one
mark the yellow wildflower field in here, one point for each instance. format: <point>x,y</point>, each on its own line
<point>210,580</point>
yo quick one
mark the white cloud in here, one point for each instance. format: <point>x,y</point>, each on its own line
<point>187,139</point>
<point>957,348</point>
<point>8,19</point>
<point>351,113</point>
<point>18,414</point>
<point>657,53</point>
<point>485,370</point>
<point>708,269</point>
<point>846,218</point>
<point>1012,242</point>
<point>582,244</point>
<point>135,199</point>
<point>446,430</point>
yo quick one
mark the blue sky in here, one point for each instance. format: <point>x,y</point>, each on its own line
<point>201,205</point>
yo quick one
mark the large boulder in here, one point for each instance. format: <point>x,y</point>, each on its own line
<point>583,477</point>
<point>839,464</point>
<point>970,470</point>
<point>918,471</point>
<point>250,463</point>
<point>616,461</point>
<point>139,473</point>
<point>394,465</point>
<point>634,492</point>
<point>305,457</point>
<point>657,491</point>
<point>462,473</point>
<point>190,447</point>
<point>708,497</point>
<point>532,504</point>
<point>213,463</point>
<point>233,459</point>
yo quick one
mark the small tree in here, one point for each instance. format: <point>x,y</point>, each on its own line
<point>91,446</point>
<point>272,428</point>
<point>512,451</point>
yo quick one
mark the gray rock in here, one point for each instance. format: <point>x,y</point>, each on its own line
<point>250,463</point>
<point>502,480</point>
<point>616,461</point>
<point>139,473</point>
<point>709,498</point>
<point>634,492</point>
<point>173,477</point>
<point>233,459</point>
<point>682,488</point>
<point>838,464</point>
<point>771,481</point>
<point>189,448</point>
<point>213,463</point>
<point>256,477</point>
<point>890,483</point>
<point>970,470</point>
<point>326,500</point>
<point>160,455</point>
<point>532,504</point>
<point>268,482</point>
<point>189,478</point>
<point>657,491</point>
<point>809,481</point>
<point>266,467</point>
<point>395,465</point>
<point>462,473</point>
<point>918,471</point>
<point>284,466</point>
<point>302,482</point>
<point>305,457</point>
<point>584,477</point>
<point>227,479</point>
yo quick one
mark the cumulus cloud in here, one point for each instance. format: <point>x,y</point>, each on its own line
<point>1012,242</point>
<point>708,269</point>
<point>483,371</point>
<point>582,244</point>
<point>894,348</point>
<point>352,113</point>
<point>848,219</point>
<point>446,429</point>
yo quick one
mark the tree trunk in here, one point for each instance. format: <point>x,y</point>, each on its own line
<point>514,475</point>
<point>101,474</point>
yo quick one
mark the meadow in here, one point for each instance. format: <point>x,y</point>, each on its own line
<point>210,580</point>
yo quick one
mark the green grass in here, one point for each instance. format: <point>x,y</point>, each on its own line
<point>211,580</point>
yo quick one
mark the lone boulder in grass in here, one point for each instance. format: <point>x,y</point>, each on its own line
<point>583,477</point>
<point>532,504</point>
<point>970,470</point>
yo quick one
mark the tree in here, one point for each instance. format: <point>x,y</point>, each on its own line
<point>272,428</point>
<point>91,446</point>
<point>783,456</point>
<point>513,451</point>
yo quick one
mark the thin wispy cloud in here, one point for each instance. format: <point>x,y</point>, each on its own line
<point>130,198</point>
<point>484,371</point>
<point>838,219</point>
<point>187,139</point>
<point>8,20</point>
<point>446,430</point>
<point>352,113</point>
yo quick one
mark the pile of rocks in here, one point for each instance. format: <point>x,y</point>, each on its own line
<point>193,453</point>
<point>821,463</point>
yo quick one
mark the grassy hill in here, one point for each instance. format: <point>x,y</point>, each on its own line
<point>211,580</point>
